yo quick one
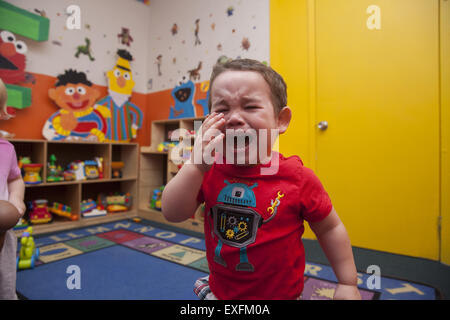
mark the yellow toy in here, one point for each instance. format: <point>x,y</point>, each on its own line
<point>63,211</point>
<point>32,173</point>
<point>28,252</point>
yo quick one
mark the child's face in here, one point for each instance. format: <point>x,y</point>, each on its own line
<point>244,98</point>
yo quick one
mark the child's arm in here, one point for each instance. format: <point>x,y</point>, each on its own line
<point>334,240</point>
<point>179,198</point>
<point>16,189</point>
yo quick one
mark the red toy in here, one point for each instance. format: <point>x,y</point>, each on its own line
<point>39,212</point>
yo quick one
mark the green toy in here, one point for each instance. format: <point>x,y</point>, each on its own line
<point>28,252</point>
<point>55,173</point>
<point>86,49</point>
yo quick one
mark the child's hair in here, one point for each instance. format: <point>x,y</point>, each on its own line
<point>276,83</point>
<point>3,97</point>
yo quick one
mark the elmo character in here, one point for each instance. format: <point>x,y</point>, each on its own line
<point>12,58</point>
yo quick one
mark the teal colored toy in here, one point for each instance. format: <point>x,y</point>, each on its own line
<point>28,254</point>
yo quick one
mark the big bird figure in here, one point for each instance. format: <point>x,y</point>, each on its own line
<point>126,117</point>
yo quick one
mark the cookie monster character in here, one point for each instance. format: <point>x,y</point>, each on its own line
<point>183,94</point>
<point>126,118</point>
<point>235,222</point>
<point>78,119</point>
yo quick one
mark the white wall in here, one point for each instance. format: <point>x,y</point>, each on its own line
<point>150,27</point>
<point>250,19</point>
<point>101,21</point>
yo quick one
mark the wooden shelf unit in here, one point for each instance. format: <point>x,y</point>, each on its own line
<point>71,193</point>
<point>156,170</point>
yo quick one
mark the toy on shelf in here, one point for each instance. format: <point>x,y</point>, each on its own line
<point>117,202</point>
<point>55,173</point>
<point>28,253</point>
<point>69,175</point>
<point>32,173</point>
<point>91,169</point>
<point>63,211</point>
<point>22,161</point>
<point>164,146</point>
<point>89,208</point>
<point>117,167</point>
<point>75,171</point>
<point>155,201</point>
<point>39,212</point>
<point>99,161</point>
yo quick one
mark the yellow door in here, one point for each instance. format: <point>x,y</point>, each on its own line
<point>377,88</point>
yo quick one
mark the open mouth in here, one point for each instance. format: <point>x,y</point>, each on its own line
<point>6,64</point>
<point>183,94</point>
<point>78,105</point>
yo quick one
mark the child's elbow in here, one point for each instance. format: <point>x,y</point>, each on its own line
<point>169,216</point>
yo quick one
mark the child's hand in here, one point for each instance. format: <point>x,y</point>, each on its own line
<point>209,136</point>
<point>346,292</point>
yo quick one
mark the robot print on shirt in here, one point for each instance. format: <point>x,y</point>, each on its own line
<point>236,222</point>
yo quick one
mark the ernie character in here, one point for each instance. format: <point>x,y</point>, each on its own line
<point>78,119</point>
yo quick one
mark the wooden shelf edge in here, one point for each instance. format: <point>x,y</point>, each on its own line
<point>83,222</point>
<point>87,181</point>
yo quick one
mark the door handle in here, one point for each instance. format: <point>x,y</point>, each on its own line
<point>322,125</point>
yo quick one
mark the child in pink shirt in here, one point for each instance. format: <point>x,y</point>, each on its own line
<point>12,189</point>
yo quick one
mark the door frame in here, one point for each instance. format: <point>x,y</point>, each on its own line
<point>444,58</point>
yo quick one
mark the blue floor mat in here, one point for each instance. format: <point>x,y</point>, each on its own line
<point>112,273</point>
<point>128,260</point>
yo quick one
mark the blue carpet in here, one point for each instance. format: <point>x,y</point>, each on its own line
<point>111,273</point>
<point>128,260</point>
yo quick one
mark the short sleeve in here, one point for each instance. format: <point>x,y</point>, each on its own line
<point>315,202</point>
<point>14,171</point>
<point>200,197</point>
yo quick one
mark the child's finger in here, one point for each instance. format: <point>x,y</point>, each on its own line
<point>211,146</point>
<point>211,121</point>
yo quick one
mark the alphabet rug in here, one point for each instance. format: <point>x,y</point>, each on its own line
<point>138,260</point>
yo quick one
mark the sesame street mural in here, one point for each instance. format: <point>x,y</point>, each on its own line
<point>77,118</point>
<point>126,117</point>
<point>12,58</point>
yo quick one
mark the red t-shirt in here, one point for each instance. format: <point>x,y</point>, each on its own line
<point>239,202</point>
